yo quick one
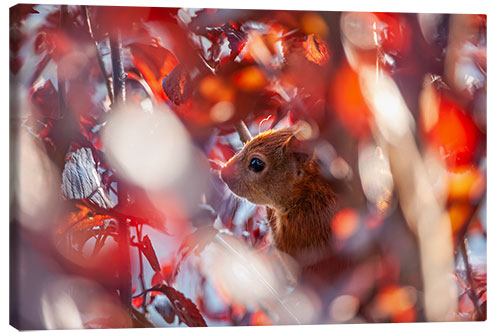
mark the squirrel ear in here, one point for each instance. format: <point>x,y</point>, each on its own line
<point>298,149</point>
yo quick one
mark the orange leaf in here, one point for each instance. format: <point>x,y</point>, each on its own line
<point>316,50</point>
<point>154,63</point>
<point>82,218</point>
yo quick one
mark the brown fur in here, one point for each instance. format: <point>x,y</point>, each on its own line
<point>300,203</point>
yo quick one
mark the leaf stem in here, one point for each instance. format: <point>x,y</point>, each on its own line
<point>138,230</point>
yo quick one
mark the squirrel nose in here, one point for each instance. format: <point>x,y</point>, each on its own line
<point>227,173</point>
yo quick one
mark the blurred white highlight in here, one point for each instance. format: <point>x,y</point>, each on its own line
<point>222,111</point>
<point>388,106</point>
<point>358,28</point>
<point>304,304</point>
<point>254,280</point>
<point>36,183</point>
<point>376,177</point>
<point>240,271</point>
<point>344,308</point>
<point>76,303</point>
<point>149,149</point>
<point>60,311</point>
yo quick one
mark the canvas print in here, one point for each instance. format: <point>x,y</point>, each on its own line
<point>229,167</point>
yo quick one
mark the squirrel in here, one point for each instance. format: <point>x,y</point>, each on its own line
<point>278,170</point>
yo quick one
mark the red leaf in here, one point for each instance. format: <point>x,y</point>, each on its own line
<point>157,279</point>
<point>184,308</point>
<point>167,272</point>
<point>177,85</point>
<point>154,62</point>
<point>149,252</point>
<point>454,135</point>
<point>137,302</point>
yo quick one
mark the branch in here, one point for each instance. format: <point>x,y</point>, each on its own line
<point>423,212</point>
<point>125,284</point>
<point>61,83</point>
<point>66,126</point>
<point>86,15</point>
<point>141,266</point>
<point>119,76</point>
<point>470,279</point>
<point>243,131</point>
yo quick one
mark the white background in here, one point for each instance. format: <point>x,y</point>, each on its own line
<point>436,6</point>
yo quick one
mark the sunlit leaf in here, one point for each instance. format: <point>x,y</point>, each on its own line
<point>155,62</point>
<point>82,218</point>
<point>316,50</point>
<point>149,252</point>
<point>455,135</point>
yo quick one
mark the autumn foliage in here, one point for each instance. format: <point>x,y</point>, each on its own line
<point>121,118</point>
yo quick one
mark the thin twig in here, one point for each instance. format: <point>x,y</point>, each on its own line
<point>99,243</point>
<point>138,230</point>
<point>470,279</point>
<point>61,83</point>
<point>243,131</point>
<point>86,15</point>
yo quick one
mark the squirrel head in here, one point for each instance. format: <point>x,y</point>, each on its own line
<point>268,167</point>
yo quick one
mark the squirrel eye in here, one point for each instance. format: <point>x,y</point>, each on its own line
<point>256,165</point>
